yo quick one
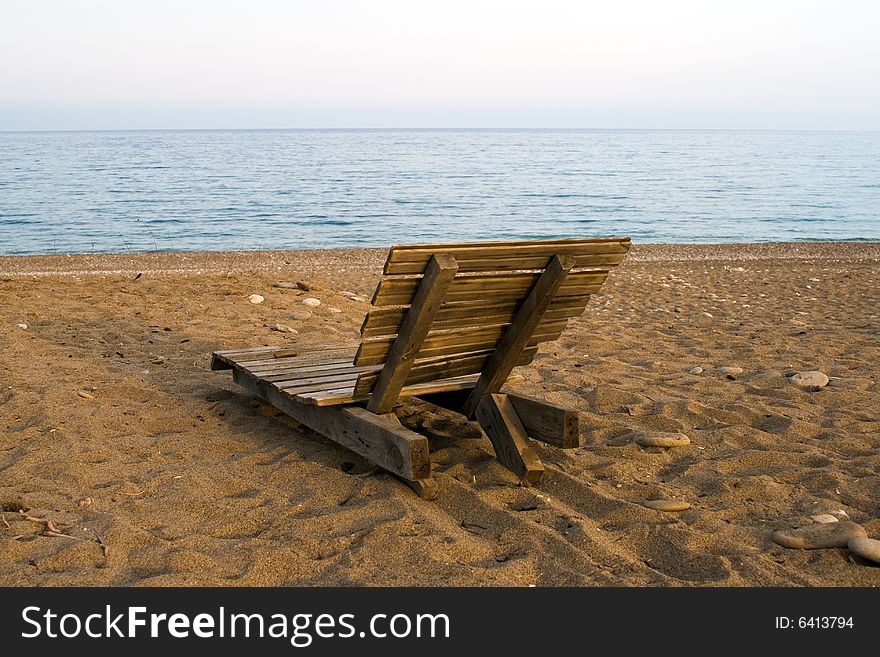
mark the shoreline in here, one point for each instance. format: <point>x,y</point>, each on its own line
<point>217,262</point>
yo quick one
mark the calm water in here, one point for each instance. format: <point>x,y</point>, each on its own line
<point>223,190</point>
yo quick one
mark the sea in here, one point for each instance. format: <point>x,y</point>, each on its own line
<point>222,190</point>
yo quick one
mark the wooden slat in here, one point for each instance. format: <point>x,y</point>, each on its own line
<point>329,381</point>
<point>296,374</point>
<point>400,291</point>
<point>505,262</point>
<point>445,367</point>
<point>400,356</point>
<point>269,371</point>
<point>476,256</point>
<point>434,247</point>
<point>348,384</point>
<point>293,366</point>
<point>451,342</point>
<point>384,321</point>
<point>334,397</point>
<point>303,358</point>
<point>266,351</point>
<point>224,360</point>
<point>346,395</point>
<point>520,332</point>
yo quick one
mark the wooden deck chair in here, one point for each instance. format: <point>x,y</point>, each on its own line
<point>450,323</point>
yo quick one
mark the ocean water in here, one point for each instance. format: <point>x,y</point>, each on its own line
<point>68,192</point>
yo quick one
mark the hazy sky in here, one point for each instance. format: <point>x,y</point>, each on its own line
<point>107,64</point>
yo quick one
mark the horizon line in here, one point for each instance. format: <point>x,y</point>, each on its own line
<point>434,129</point>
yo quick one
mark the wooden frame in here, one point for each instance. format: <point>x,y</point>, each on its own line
<point>413,331</point>
<point>378,438</point>
<point>520,331</point>
<point>422,347</point>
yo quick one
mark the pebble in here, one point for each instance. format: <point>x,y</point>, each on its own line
<point>333,310</point>
<point>256,298</point>
<point>663,440</point>
<point>84,394</point>
<point>357,298</point>
<point>311,302</point>
<point>22,326</point>
<point>822,535</point>
<point>811,380</point>
<point>824,518</point>
<point>667,505</point>
<point>300,315</point>
<point>283,328</point>
<point>850,382</point>
<point>285,285</point>
<point>866,548</point>
<point>695,370</point>
<point>730,371</point>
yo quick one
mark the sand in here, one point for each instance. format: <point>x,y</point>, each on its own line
<point>160,472</point>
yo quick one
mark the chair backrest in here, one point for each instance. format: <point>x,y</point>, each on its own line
<point>492,282</point>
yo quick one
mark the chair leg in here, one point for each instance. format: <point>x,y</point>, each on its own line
<point>426,488</point>
<point>499,420</point>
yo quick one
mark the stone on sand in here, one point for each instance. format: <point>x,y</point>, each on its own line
<point>663,440</point>
<point>285,285</point>
<point>311,302</point>
<point>256,298</point>
<point>696,370</point>
<point>667,505</point>
<point>351,296</point>
<point>334,310</point>
<point>812,380</point>
<point>850,382</point>
<point>22,326</point>
<point>730,370</point>
<point>866,548</point>
<point>283,328</point>
<point>824,518</point>
<point>300,315</point>
<point>818,536</point>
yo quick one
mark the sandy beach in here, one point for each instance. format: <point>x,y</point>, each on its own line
<point>155,471</point>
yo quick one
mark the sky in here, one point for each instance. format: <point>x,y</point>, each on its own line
<point>160,64</point>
